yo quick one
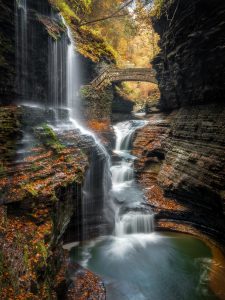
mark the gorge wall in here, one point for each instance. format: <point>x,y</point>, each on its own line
<point>181,150</point>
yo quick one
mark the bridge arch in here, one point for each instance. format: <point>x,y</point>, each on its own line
<point>112,75</point>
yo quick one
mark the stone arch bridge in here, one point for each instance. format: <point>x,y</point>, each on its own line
<point>111,75</point>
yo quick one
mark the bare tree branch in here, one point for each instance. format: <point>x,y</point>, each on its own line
<point>113,15</point>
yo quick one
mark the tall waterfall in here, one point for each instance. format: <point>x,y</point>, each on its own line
<point>21,19</point>
<point>61,78</point>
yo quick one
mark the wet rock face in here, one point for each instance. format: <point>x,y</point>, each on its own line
<point>191,65</point>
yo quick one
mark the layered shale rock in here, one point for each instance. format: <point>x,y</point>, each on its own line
<point>182,167</point>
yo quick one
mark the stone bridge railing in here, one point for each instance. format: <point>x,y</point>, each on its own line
<point>111,75</point>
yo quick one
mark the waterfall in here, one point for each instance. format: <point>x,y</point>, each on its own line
<point>124,133</point>
<point>130,215</point>
<point>59,78</point>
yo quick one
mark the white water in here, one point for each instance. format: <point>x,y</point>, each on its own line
<point>57,72</point>
<point>134,222</point>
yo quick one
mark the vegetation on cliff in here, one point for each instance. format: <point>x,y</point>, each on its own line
<point>88,42</point>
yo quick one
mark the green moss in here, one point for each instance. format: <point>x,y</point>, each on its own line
<point>85,91</point>
<point>2,169</point>
<point>42,250</point>
<point>50,139</point>
<point>28,188</point>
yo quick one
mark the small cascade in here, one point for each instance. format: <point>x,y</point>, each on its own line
<point>134,222</point>
<point>122,172</point>
<point>124,133</point>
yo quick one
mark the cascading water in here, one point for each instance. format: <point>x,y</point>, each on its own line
<point>73,79</point>
<point>127,196</point>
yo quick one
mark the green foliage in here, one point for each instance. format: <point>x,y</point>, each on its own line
<point>88,41</point>
<point>43,251</point>
<point>160,7</point>
<point>29,189</point>
<point>84,91</point>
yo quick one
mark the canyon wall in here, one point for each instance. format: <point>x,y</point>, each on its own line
<point>181,151</point>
